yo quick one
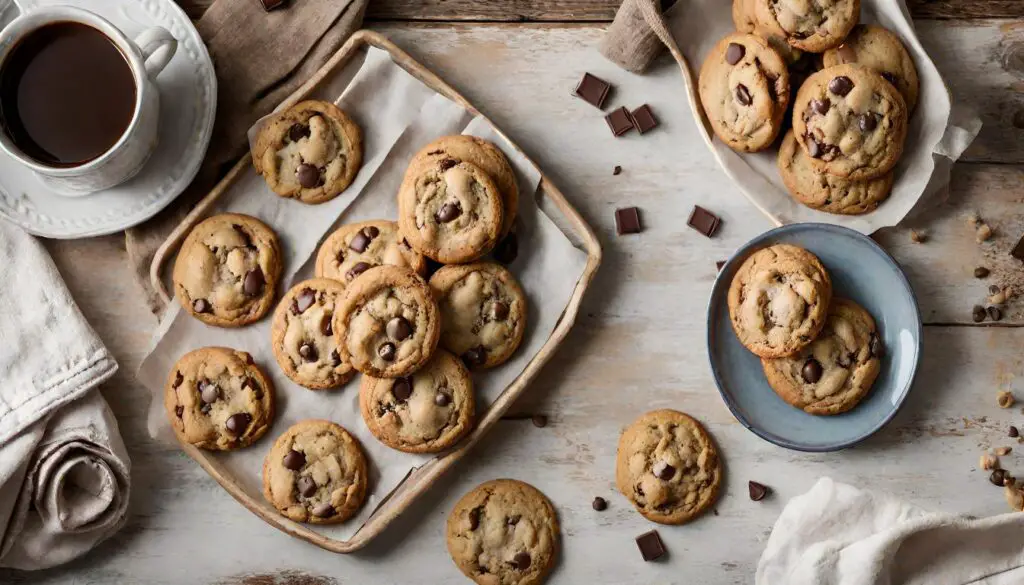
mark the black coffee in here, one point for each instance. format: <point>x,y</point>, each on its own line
<point>67,94</point>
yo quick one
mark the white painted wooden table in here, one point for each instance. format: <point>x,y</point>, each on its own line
<point>638,344</point>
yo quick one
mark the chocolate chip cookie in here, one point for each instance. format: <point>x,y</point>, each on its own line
<point>744,89</point>
<point>851,122</point>
<point>487,156</point>
<point>836,371</point>
<point>504,532</point>
<point>826,192</point>
<point>483,312</point>
<point>353,248</point>
<point>316,473</point>
<point>450,211</point>
<point>778,300</point>
<point>884,53</point>
<point>218,399</point>
<point>227,270</point>
<point>302,335</point>
<point>387,323</point>
<point>425,412</point>
<point>812,26</point>
<point>745,20</point>
<point>310,152</point>
<point>668,467</point>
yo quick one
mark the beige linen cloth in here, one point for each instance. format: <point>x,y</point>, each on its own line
<point>64,470</point>
<point>260,58</point>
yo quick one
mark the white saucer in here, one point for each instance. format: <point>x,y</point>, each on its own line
<point>188,103</point>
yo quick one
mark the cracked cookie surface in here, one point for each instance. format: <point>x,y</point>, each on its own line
<point>778,300</point>
<point>668,467</point>
<point>450,211</point>
<point>227,270</point>
<point>425,412</point>
<point>884,53</point>
<point>387,324</point>
<point>744,18</point>
<point>302,335</point>
<point>836,371</point>
<point>315,473</point>
<point>353,248</point>
<point>503,532</point>
<point>310,152</point>
<point>744,90</point>
<point>851,122</point>
<point>810,25</point>
<point>826,192</point>
<point>218,399</point>
<point>483,312</point>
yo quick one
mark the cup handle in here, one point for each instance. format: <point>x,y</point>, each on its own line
<point>158,47</point>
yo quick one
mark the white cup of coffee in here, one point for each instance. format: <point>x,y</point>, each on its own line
<point>77,100</point>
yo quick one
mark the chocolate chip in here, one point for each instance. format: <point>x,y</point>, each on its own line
<point>474,518</point>
<point>757,490</point>
<point>994,313</point>
<point>813,148</point>
<point>371,231</point>
<point>178,379</point>
<point>998,477</point>
<point>180,410</point>
<point>617,170</point>
<point>201,306</point>
<point>254,281</point>
<point>499,311</point>
<point>650,545</point>
<point>205,409</point>
<point>254,386</point>
<point>387,352</point>
<point>891,78</point>
<point>876,347</point>
<point>447,164</point>
<point>209,393</point>
<point>743,95</point>
<point>324,510</point>
<point>663,471</point>
<point>297,132</point>
<point>398,328</point>
<point>237,423</point>
<point>619,121</point>
<point>327,326</point>
<point>521,561</point>
<point>627,221</point>
<point>811,371</point>
<point>294,460</point>
<point>1013,432</point>
<point>840,85</point>
<point>981,272</point>
<point>359,242</point>
<point>475,356</point>
<point>821,107</point>
<point>978,313</point>
<point>335,358</point>
<point>643,119</point>
<point>867,122</point>
<point>306,486</point>
<point>308,176</point>
<point>600,504</point>
<point>401,389</point>
<point>308,352</point>
<point>734,52</point>
<point>703,221</point>
<point>539,420</point>
<point>442,399</point>
<point>507,249</point>
<point>303,301</point>
<point>356,270</point>
<point>993,289</point>
<point>448,212</point>
<point>592,90</point>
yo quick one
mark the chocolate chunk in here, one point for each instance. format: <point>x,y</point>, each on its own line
<point>757,490</point>
<point>180,410</point>
<point>335,358</point>
<point>178,379</point>
<point>442,399</point>
<point>876,347</point>
<point>600,504</point>
<point>308,176</point>
<point>297,132</point>
<point>867,122</point>
<point>475,356</point>
<point>507,250</point>
<point>734,52</point>
<point>840,85</point>
<point>821,107</point>
<point>617,170</point>
<point>237,423</point>
<point>294,460</point>
<point>303,301</point>
<point>627,221</point>
<point>269,5</point>
<point>643,119</point>
<point>201,306</point>
<point>387,352</point>
<point>513,520</point>
<point>1013,432</point>
<point>978,313</point>
<point>448,212</point>
<point>499,311</point>
<point>308,352</point>
<point>401,389</point>
<point>521,561</point>
<point>592,90</point>
<point>306,486</point>
<point>324,510</point>
<point>209,393</point>
<point>981,272</point>
<point>814,149</point>
<point>447,163</point>
<point>891,78</point>
<point>703,221</point>
<point>539,420</point>
<point>743,95</point>
<point>254,386</point>
<point>663,471</point>
<point>254,281</point>
<point>327,326</point>
<point>650,545</point>
<point>474,518</point>
<point>998,477</point>
<point>619,121</point>
<point>994,313</point>
<point>398,328</point>
<point>811,371</point>
<point>993,289</point>
<point>356,270</point>
<point>371,231</point>
<point>1018,249</point>
<point>359,242</point>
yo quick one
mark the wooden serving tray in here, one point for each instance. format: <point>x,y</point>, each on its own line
<point>420,479</point>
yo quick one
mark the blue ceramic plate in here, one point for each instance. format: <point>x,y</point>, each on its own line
<point>861,271</point>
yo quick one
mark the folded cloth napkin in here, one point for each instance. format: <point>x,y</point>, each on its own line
<point>837,534</point>
<point>63,467</point>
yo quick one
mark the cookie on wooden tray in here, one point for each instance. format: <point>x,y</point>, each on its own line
<point>811,26</point>
<point>302,335</point>
<point>387,324</point>
<point>310,152</point>
<point>487,156</point>
<point>778,300</point>
<point>744,89</point>
<point>836,371</point>
<point>425,412</point>
<point>353,248</point>
<point>503,532</point>
<point>227,270</point>
<point>884,53</point>
<point>315,473</point>
<point>668,467</point>
<point>826,192</point>
<point>450,211</point>
<point>851,122</point>
<point>218,399</point>
<point>483,312</point>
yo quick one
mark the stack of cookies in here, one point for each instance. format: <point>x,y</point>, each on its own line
<point>369,309</point>
<point>849,89</point>
<point>819,353</point>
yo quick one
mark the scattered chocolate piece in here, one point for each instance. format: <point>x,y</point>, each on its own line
<point>237,423</point>
<point>254,281</point>
<point>600,504</point>
<point>758,491</point>
<point>507,250</point>
<point>627,221</point>
<point>619,121</point>
<point>617,170</point>
<point>719,264</point>
<point>734,52</point>
<point>398,328</point>
<point>402,389</point>
<point>704,221</point>
<point>643,119</point>
<point>994,313</point>
<point>308,175</point>
<point>981,272</point>
<point>593,90</point>
<point>978,313</point>
<point>306,486</point>
<point>811,371</point>
<point>650,545</point>
<point>539,420</point>
<point>663,470</point>
<point>201,306</point>
<point>269,5</point>
<point>1013,432</point>
<point>387,352</point>
<point>1018,249</point>
<point>521,561</point>
<point>998,477</point>
<point>993,289</point>
<point>294,460</point>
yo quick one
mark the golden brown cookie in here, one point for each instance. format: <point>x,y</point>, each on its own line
<point>811,26</point>
<point>353,248</point>
<point>883,52</point>
<point>302,335</point>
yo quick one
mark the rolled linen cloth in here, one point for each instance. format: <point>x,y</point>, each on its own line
<point>64,470</point>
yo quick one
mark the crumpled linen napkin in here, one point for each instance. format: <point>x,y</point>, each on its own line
<point>837,534</point>
<point>64,470</point>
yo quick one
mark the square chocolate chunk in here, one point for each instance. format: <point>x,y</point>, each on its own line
<point>1018,249</point>
<point>704,221</point>
<point>619,121</point>
<point>650,545</point>
<point>627,221</point>
<point>593,90</point>
<point>643,119</point>
<point>269,5</point>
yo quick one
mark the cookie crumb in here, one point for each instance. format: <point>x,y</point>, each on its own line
<point>973,219</point>
<point>1015,496</point>
<point>981,272</point>
<point>1002,451</point>
<point>983,232</point>
<point>918,237</point>
<point>1000,296</point>
<point>1005,399</point>
<point>988,462</point>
